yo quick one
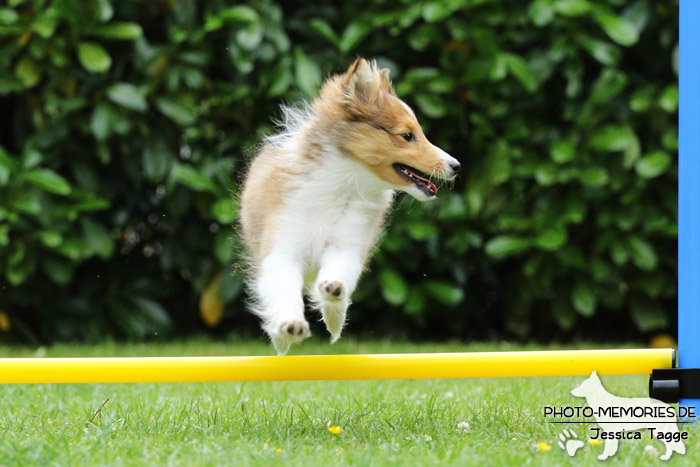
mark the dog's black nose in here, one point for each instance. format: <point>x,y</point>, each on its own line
<point>455,166</point>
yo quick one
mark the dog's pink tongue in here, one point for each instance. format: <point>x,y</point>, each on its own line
<point>431,185</point>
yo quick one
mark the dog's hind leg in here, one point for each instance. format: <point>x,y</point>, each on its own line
<point>281,305</point>
<point>671,447</point>
<point>337,277</point>
<point>609,449</point>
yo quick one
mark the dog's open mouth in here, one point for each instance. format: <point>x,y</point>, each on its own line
<point>417,178</point>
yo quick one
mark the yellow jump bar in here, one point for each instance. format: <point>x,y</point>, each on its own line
<point>333,367</point>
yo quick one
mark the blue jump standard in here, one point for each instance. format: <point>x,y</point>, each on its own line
<point>689,190</point>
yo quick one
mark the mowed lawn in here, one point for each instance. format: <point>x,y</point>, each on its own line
<point>400,422</point>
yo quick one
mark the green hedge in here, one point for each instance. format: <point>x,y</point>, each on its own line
<point>125,127</point>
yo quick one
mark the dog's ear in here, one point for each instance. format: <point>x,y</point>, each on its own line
<point>362,96</point>
<point>355,65</point>
<point>385,82</point>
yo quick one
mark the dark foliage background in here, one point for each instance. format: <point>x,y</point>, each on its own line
<point>125,125</point>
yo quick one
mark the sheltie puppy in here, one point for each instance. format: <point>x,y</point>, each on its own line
<point>317,192</point>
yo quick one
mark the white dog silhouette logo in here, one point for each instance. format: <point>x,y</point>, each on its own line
<point>618,416</point>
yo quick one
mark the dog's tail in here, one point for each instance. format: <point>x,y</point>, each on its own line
<point>677,446</point>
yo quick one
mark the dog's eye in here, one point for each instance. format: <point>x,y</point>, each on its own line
<point>409,137</point>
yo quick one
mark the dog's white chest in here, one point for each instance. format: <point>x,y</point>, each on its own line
<point>337,206</point>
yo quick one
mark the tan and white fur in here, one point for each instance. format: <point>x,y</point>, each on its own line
<point>317,192</point>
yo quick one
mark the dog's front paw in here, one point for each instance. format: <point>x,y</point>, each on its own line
<point>296,328</point>
<point>284,333</point>
<point>332,291</point>
<point>333,303</point>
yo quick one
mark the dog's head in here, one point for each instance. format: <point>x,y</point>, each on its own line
<point>588,386</point>
<point>380,131</point>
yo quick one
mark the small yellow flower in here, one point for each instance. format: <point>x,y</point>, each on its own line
<point>278,450</point>
<point>4,322</point>
<point>543,446</point>
<point>335,429</point>
<point>267,440</point>
<point>594,442</point>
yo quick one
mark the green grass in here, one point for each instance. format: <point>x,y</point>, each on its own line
<point>404,422</point>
